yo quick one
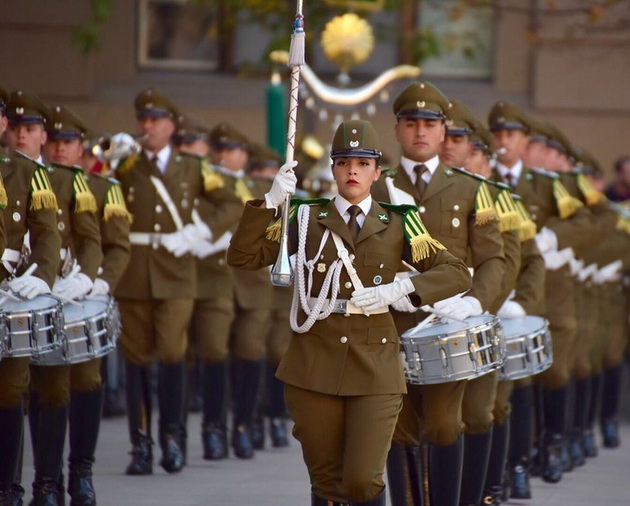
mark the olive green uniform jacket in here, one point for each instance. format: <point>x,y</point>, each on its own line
<point>354,355</point>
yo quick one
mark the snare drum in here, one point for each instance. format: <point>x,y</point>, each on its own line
<point>528,342</point>
<point>87,333</point>
<point>443,352</point>
<point>31,327</point>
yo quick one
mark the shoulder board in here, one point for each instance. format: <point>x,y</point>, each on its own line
<point>309,202</point>
<point>211,179</point>
<point>26,157</point>
<point>509,218</point>
<point>478,177</point>
<point>83,197</point>
<point>115,204</point>
<point>389,172</point>
<point>421,242</point>
<point>402,208</point>
<point>42,195</point>
<point>545,173</point>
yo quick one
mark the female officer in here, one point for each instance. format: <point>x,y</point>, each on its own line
<point>342,372</point>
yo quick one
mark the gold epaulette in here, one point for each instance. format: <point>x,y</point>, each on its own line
<point>527,228</point>
<point>3,195</point>
<point>421,242</point>
<point>83,197</point>
<point>591,195</point>
<point>567,205</point>
<point>485,211</point>
<point>115,204</point>
<point>126,163</point>
<point>509,218</point>
<point>42,195</point>
<point>211,179</point>
<point>242,191</point>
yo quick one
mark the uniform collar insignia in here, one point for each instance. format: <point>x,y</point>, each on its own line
<point>448,172</point>
<point>383,217</point>
<point>528,175</point>
<point>178,158</point>
<point>323,214</point>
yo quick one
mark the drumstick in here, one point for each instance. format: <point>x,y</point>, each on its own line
<point>429,309</point>
<point>31,269</point>
<point>67,300</point>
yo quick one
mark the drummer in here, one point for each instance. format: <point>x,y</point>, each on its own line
<point>81,256</point>
<point>526,298</point>
<point>32,209</point>
<point>453,205</point>
<point>344,410</point>
<point>481,392</point>
<point>65,149</point>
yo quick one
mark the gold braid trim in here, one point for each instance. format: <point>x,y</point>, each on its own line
<point>591,195</point>
<point>274,231</point>
<point>115,205</point>
<point>42,196</point>
<point>242,191</point>
<point>567,205</point>
<point>484,207</point>
<point>509,218</point>
<point>211,180</point>
<point>421,242</point>
<point>3,195</point>
<point>83,197</point>
<point>527,229</point>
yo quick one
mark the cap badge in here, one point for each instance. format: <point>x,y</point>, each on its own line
<point>500,119</point>
<point>421,103</point>
<point>449,122</point>
<point>58,126</point>
<point>354,144</point>
<point>19,110</point>
<point>148,105</point>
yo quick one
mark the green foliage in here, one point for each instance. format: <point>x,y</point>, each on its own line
<point>88,36</point>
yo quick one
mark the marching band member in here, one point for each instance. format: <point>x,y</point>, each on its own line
<point>32,208</point>
<point>342,371</point>
<point>458,211</point>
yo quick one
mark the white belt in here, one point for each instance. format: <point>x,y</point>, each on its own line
<point>146,238</point>
<point>10,255</point>
<point>344,306</point>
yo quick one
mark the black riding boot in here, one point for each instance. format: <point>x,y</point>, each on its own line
<point>246,380</point>
<point>171,423</point>
<point>51,435</point>
<point>476,457</point>
<point>567,458</point>
<point>404,475</point>
<point>379,500</point>
<point>580,419</point>
<point>17,488</point>
<point>277,408</point>
<point>215,395</point>
<point>588,441</point>
<point>138,392</point>
<point>521,422</point>
<point>11,428</point>
<point>610,407</point>
<point>555,406</point>
<point>85,421</point>
<point>496,464</point>
<point>445,473</point>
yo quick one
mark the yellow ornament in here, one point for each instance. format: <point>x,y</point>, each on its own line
<point>347,41</point>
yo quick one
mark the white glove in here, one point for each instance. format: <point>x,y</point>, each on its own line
<point>183,241</point>
<point>284,182</point>
<point>576,265</point>
<point>458,307</point>
<point>100,287</point>
<point>73,287</point>
<point>511,309</point>
<point>203,249</point>
<point>556,259</point>
<point>587,272</point>
<point>376,297</point>
<point>610,272</point>
<point>28,286</point>
<point>546,240</point>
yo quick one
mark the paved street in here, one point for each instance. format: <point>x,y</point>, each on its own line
<point>278,477</point>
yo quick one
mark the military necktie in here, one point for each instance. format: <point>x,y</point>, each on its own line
<point>353,224</point>
<point>421,184</point>
<point>510,179</point>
